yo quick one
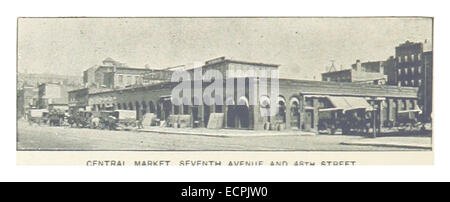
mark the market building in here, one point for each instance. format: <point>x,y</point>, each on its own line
<point>299,103</point>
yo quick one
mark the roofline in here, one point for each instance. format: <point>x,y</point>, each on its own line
<point>251,63</point>
<point>77,90</point>
<point>339,71</point>
<point>350,84</point>
<point>354,95</point>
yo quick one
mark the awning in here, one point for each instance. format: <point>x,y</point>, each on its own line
<point>349,103</point>
<point>410,110</point>
<point>329,109</point>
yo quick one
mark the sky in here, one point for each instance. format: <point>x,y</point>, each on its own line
<point>303,47</point>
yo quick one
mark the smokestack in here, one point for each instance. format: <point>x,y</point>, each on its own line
<point>358,65</point>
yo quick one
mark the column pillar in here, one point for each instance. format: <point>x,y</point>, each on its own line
<point>288,115</point>
<point>316,114</point>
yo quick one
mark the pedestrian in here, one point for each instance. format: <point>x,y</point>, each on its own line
<point>139,123</point>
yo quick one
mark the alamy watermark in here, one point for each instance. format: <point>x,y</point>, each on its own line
<point>229,89</point>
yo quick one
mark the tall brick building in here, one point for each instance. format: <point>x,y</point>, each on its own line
<point>414,68</point>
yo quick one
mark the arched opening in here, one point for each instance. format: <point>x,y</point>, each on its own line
<point>195,112</point>
<point>151,107</point>
<point>166,109</point>
<point>280,116</point>
<point>238,114</point>
<point>242,113</point>
<point>138,110</point>
<point>125,106</point>
<point>144,108</point>
<point>130,106</point>
<point>231,112</point>
<point>158,109</point>
<point>295,113</point>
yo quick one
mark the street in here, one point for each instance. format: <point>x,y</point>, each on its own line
<point>63,138</point>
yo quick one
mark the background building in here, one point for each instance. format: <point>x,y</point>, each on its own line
<point>27,98</point>
<point>368,72</point>
<point>53,96</point>
<point>112,74</point>
<point>414,67</point>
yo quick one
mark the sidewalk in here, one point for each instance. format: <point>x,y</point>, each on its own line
<point>403,142</point>
<point>222,132</point>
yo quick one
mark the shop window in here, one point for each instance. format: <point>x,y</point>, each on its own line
<point>403,103</point>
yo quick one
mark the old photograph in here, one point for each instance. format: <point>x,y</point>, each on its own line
<point>279,84</point>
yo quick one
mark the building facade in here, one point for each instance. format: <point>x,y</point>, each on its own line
<point>27,98</point>
<point>53,96</point>
<point>367,72</point>
<point>112,74</point>
<point>414,68</point>
<point>248,106</point>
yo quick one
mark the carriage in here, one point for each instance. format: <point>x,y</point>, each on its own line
<point>113,119</point>
<point>37,116</point>
<point>80,119</point>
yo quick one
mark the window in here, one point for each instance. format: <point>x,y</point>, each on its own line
<point>419,69</point>
<point>419,56</point>
<point>406,83</point>
<point>403,104</point>
<point>406,70</point>
<point>412,57</point>
<point>419,82</point>
<point>412,82</point>
<point>399,71</point>
<point>406,58</point>
<point>399,59</point>
<point>176,109</point>
<point>399,83</point>
<point>128,80</point>
<point>412,70</point>
<point>120,79</point>
<point>413,104</point>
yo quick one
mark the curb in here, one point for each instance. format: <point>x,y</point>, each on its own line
<point>221,135</point>
<point>388,145</point>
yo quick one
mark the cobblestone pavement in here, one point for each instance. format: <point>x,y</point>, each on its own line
<point>63,138</point>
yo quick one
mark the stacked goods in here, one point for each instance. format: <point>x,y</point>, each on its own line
<point>215,121</point>
<point>149,119</point>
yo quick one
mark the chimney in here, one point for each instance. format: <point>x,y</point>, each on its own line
<point>358,65</point>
